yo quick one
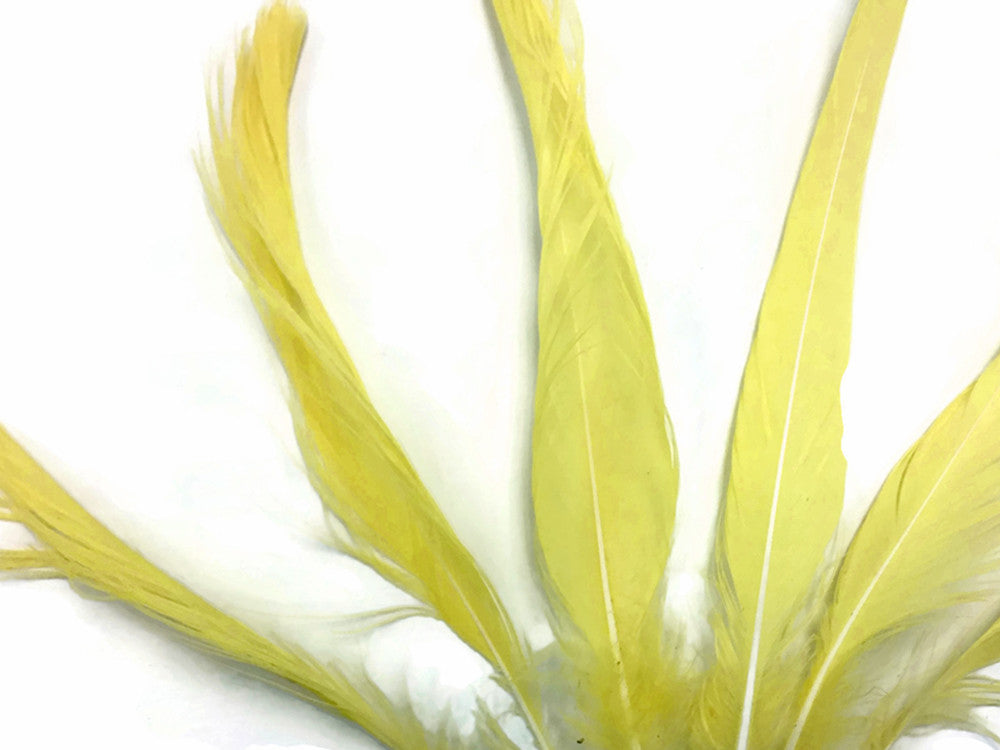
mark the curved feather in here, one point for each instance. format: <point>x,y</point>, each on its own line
<point>925,561</point>
<point>604,468</point>
<point>786,480</point>
<point>359,470</point>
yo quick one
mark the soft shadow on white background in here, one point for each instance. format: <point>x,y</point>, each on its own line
<point>135,369</point>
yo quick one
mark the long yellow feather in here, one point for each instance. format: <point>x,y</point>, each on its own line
<point>604,470</point>
<point>75,545</point>
<point>924,560</point>
<point>786,481</point>
<point>359,470</point>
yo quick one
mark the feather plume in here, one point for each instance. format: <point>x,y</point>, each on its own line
<point>76,546</point>
<point>786,477</point>
<point>357,467</point>
<point>922,568</point>
<point>809,653</point>
<point>604,469</point>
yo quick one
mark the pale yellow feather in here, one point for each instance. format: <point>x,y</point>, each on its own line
<point>71,543</point>
<point>786,479</point>
<point>604,470</point>
<point>359,470</point>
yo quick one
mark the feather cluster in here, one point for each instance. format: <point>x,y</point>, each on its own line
<point>812,649</point>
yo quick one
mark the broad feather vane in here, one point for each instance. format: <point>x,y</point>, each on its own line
<point>786,478</point>
<point>604,469</point>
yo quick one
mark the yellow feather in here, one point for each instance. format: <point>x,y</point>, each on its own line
<point>604,473</point>
<point>786,480</point>
<point>76,546</point>
<point>359,470</point>
<point>923,567</point>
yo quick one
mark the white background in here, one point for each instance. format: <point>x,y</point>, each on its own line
<point>133,366</point>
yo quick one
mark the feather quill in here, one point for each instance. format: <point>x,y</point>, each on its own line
<point>604,468</point>
<point>924,560</point>
<point>359,470</point>
<point>786,480</point>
